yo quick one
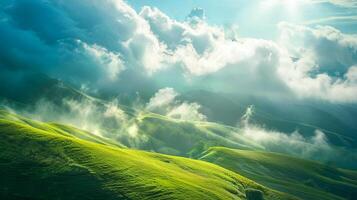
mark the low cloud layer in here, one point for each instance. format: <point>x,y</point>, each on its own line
<point>104,119</point>
<point>315,147</point>
<point>109,119</point>
<point>164,102</point>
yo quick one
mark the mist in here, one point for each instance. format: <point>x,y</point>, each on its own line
<point>316,147</point>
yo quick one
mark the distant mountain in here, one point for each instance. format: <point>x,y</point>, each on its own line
<point>285,115</point>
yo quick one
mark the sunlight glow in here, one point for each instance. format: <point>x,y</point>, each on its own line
<point>291,6</point>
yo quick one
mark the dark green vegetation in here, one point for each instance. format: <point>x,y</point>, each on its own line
<point>50,161</point>
<point>305,179</point>
<point>253,194</point>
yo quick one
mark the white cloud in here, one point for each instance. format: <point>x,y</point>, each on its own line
<point>343,3</point>
<point>333,51</point>
<point>162,99</point>
<point>351,74</point>
<point>200,49</point>
<point>325,65</point>
<point>112,34</point>
<point>110,62</point>
<point>333,19</point>
<point>187,111</point>
<point>142,47</point>
<point>114,111</point>
<point>102,119</point>
<point>205,50</point>
<point>164,102</point>
<point>168,31</point>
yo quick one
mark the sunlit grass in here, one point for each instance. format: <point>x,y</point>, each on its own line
<point>52,161</point>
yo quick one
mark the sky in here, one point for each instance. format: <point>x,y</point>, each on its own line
<point>259,18</point>
<point>303,49</point>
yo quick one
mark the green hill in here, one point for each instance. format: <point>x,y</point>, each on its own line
<point>158,133</point>
<point>54,100</point>
<point>305,179</point>
<point>61,129</point>
<point>175,137</point>
<point>49,161</point>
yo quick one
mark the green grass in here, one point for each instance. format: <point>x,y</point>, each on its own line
<point>65,130</point>
<point>305,179</point>
<point>183,138</point>
<point>50,161</point>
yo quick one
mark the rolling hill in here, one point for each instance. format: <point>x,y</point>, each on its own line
<point>177,137</point>
<point>48,99</point>
<point>51,161</point>
<point>305,179</point>
<point>140,129</point>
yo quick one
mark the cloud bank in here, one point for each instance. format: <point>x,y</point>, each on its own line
<point>343,3</point>
<point>108,46</point>
<point>325,68</point>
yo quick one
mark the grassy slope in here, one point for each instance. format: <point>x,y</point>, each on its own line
<point>157,133</point>
<point>306,179</point>
<point>162,134</point>
<point>175,137</point>
<point>44,161</point>
<point>65,130</point>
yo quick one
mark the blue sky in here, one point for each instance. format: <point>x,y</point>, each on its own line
<point>258,18</point>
